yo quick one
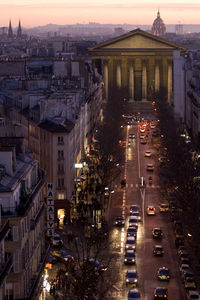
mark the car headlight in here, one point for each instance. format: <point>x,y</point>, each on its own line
<point>135,280</point>
<point>127,280</point>
<point>125,259</point>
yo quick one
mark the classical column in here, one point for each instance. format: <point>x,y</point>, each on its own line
<point>157,78</point>
<point>131,83</point>
<point>169,82</point>
<point>119,76</point>
<point>106,79</point>
<point>144,82</point>
<point>150,78</point>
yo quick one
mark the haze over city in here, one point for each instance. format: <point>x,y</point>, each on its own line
<point>41,12</point>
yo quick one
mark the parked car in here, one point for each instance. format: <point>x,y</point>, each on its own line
<point>96,265</point>
<point>150,167</point>
<point>62,255</point>
<point>192,295</point>
<point>190,284</point>
<point>56,240</point>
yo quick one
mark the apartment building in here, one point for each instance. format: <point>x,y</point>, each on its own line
<point>22,205</point>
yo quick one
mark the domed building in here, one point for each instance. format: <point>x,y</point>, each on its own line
<point>158,27</point>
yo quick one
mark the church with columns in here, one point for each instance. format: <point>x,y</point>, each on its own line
<point>138,61</point>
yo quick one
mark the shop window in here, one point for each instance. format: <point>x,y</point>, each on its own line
<point>61,196</point>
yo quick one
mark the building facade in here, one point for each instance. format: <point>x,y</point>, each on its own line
<point>22,204</point>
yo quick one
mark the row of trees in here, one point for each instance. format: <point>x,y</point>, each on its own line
<point>180,171</point>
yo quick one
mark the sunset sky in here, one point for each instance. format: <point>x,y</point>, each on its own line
<point>41,12</point>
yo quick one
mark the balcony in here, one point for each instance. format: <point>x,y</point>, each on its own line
<point>5,269</point>
<point>25,200</point>
<point>33,222</point>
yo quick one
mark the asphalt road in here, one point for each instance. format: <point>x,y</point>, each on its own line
<point>146,264</point>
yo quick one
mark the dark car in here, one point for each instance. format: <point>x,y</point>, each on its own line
<point>157,233</point>
<point>164,274</point>
<point>119,221</point>
<point>129,257</point>
<point>96,265</point>
<point>179,240</point>
<point>132,231</point>
<point>160,293</point>
<point>158,250</point>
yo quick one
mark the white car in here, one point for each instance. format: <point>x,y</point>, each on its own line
<point>137,215</point>
<point>192,295</point>
<point>133,221</point>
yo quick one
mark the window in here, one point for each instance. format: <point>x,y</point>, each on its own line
<point>60,154</point>
<point>60,140</point>
<point>60,167</point>
<point>61,182</point>
<point>61,196</point>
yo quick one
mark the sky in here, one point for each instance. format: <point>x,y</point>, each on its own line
<point>40,12</point>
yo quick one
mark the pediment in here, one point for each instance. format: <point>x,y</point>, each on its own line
<point>136,39</point>
<point>138,42</point>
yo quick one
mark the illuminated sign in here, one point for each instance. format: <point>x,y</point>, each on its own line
<point>50,210</point>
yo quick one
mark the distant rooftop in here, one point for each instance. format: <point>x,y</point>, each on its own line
<point>57,125</point>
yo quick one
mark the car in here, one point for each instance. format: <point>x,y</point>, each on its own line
<point>184,260</point>
<point>130,243</point>
<point>157,233</point>
<point>129,144</point>
<point>151,210</point>
<point>187,274</point>
<point>158,250</point>
<point>153,126</point>
<point>164,207</point>
<point>97,265</point>
<point>143,141</point>
<point>184,267</point>
<point>119,221</point>
<point>147,153</point>
<point>56,240</point>
<point>179,240</point>
<point>133,221</point>
<point>134,208</point>
<point>183,253</point>
<point>164,274</point>
<point>134,294</point>
<point>132,231</point>
<point>150,167</point>
<point>62,255</point>
<point>137,214</point>
<point>131,277</point>
<point>129,257</point>
<point>131,136</point>
<point>192,295</point>
<point>160,293</point>
<point>190,284</point>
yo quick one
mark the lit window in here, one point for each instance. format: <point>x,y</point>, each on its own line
<point>61,196</point>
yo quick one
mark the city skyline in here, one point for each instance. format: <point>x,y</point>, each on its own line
<point>63,12</point>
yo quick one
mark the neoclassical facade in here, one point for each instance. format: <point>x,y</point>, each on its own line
<point>138,61</point>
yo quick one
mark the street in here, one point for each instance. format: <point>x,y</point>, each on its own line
<point>147,265</point>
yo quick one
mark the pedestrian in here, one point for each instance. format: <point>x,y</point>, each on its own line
<point>64,220</point>
<point>53,290</point>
